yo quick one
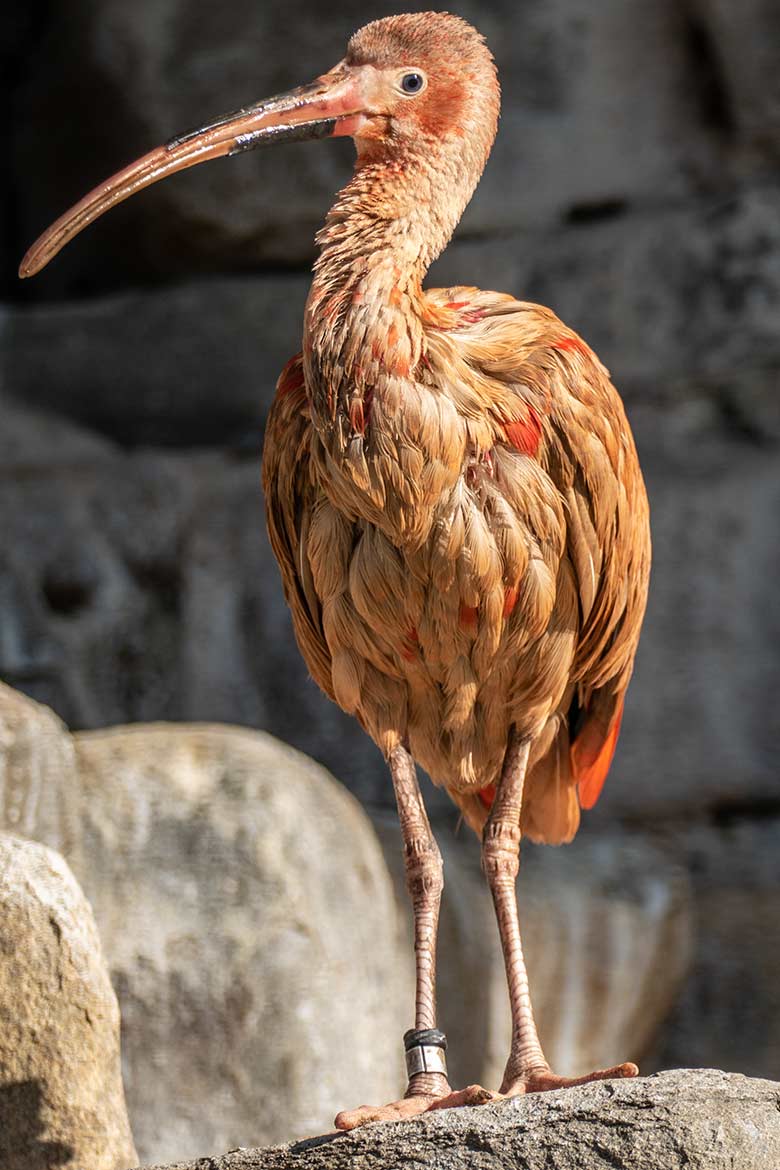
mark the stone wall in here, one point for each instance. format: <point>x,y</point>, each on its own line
<point>634,188</point>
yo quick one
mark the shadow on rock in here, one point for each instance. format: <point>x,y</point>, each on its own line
<point>21,1125</point>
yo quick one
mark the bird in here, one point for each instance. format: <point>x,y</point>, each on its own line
<point>453,496</point>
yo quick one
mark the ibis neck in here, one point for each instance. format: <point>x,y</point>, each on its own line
<point>364,315</point>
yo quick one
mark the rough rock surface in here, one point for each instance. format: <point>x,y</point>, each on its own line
<point>683,1120</point>
<point>733,989</point>
<point>244,903</point>
<point>61,1100</point>
<point>246,913</point>
<point>37,772</point>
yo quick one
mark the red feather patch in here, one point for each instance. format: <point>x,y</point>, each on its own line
<point>468,615</point>
<point>411,644</point>
<point>510,599</point>
<point>291,378</point>
<point>487,795</point>
<point>571,343</point>
<point>524,435</point>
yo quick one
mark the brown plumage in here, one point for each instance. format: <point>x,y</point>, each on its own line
<point>452,489</point>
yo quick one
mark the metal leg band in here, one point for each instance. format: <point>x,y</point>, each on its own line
<point>425,1051</point>
<point>427,1059</point>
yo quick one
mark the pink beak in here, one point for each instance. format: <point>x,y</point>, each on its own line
<point>327,107</point>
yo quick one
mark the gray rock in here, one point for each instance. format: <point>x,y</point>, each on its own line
<point>730,1008</point>
<point>34,438</point>
<point>668,294</point>
<point>190,365</point>
<point>61,1100</point>
<point>745,45</point>
<point>684,1120</point>
<point>249,924</point>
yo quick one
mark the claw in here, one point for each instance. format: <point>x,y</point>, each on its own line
<point>471,1095</point>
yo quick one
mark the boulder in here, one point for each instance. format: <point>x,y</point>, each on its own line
<point>38,777</point>
<point>744,44</point>
<point>61,1100</point>
<point>685,1120</point>
<point>250,926</point>
<point>245,909</point>
<point>729,1010</point>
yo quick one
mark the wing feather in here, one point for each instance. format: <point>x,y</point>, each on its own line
<point>289,504</point>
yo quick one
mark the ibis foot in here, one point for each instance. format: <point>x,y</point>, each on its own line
<point>412,1105</point>
<point>542,1080</point>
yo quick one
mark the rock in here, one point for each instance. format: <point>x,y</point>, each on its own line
<point>691,1120</point>
<point>124,582</point>
<point>35,438</point>
<point>38,779</point>
<point>703,739</point>
<point>745,48</point>
<point>61,1100</point>
<point>189,365</point>
<point>602,107</point>
<point>88,575</point>
<point>161,815</point>
<point>730,1008</point>
<point>607,936</point>
<point>674,293</point>
<point>249,925</point>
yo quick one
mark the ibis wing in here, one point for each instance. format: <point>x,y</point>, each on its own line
<point>565,413</point>
<point>289,502</point>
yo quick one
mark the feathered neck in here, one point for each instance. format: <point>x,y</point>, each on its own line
<point>364,323</point>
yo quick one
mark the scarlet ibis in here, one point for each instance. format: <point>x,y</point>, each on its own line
<point>453,495</point>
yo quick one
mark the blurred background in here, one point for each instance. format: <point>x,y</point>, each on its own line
<point>634,189</point>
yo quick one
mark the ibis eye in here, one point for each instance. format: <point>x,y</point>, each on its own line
<point>412,83</point>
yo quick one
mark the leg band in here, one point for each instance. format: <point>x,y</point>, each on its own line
<point>425,1051</point>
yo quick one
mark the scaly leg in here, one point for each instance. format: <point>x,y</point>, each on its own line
<point>424,882</point>
<point>527,1070</point>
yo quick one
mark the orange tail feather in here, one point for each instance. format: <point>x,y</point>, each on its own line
<point>591,756</point>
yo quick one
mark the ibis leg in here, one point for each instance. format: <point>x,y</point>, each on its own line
<point>527,1069</point>
<point>424,881</point>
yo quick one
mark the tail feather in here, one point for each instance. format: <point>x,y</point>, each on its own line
<point>591,756</point>
<point>551,812</point>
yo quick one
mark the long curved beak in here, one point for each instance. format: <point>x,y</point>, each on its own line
<point>324,108</point>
